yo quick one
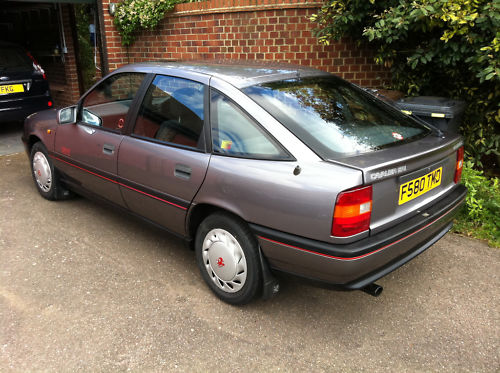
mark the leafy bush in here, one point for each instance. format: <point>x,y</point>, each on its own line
<point>133,15</point>
<point>481,215</point>
<point>433,47</point>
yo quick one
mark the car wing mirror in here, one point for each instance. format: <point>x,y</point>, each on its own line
<point>67,115</point>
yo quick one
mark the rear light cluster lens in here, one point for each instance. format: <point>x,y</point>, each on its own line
<point>353,211</point>
<point>459,165</point>
<point>37,66</point>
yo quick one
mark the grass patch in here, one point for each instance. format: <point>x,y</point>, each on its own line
<point>480,218</point>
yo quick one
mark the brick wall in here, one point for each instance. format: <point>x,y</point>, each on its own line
<point>262,30</point>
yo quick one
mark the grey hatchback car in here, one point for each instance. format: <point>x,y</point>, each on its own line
<point>259,168</point>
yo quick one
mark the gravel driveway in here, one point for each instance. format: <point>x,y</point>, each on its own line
<point>84,288</point>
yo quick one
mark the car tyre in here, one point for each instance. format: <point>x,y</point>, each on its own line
<point>228,258</point>
<point>44,174</point>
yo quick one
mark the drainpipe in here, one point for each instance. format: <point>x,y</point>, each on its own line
<point>64,49</point>
<point>103,49</point>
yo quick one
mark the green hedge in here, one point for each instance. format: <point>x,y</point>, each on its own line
<point>433,47</point>
<point>481,216</point>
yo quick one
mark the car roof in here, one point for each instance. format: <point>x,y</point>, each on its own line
<point>239,74</point>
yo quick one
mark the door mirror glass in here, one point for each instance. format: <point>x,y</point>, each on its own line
<point>67,115</point>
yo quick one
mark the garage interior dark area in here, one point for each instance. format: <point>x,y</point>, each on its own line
<point>62,38</point>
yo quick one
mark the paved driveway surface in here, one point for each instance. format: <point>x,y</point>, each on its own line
<point>10,138</point>
<point>83,288</point>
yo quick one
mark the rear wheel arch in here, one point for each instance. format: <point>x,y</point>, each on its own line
<point>199,212</point>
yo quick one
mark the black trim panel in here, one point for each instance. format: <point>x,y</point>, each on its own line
<point>166,143</point>
<point>396,263</point>
<point>446,207</point>
<point>163,197</point>
<point>371,277</point>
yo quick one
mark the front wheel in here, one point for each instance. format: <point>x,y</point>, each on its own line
<point>44,175</point>
<point>227,256</point>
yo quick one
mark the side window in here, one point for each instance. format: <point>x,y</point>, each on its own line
<point>235,133</point>
<point>172,111</point>
<point>107,104</point>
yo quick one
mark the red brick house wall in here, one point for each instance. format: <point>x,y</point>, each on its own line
<point>262,30</point>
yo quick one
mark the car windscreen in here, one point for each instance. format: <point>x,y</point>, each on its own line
<point>335,118</point>
<point>14,59</point>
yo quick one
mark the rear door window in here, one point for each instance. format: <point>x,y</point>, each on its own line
<point>172,112</point>
<point>235,133</point>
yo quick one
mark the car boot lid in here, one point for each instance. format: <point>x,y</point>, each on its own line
<point>399,160</point>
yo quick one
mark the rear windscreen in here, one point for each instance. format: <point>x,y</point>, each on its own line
<point>14,60</point>
<point>334,117</point>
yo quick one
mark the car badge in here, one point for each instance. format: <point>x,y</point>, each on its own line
<point>397,136</point>
<point>220,262</point>
<point>4,77</point>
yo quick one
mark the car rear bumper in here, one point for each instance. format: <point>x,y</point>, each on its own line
<point>18,109</point>
<point>356,265</point>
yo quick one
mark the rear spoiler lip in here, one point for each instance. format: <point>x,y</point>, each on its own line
<point>380,171</point>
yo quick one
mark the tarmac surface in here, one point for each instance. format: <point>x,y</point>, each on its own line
<point>84,288</point>
<point>10,138</point>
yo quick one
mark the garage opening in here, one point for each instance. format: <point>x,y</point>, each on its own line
<point>63,37</point>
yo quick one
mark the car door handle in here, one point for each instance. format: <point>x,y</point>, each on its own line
<point>182,171</point>
<point>108,149</point>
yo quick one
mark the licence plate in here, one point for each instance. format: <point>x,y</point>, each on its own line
<point>11,88</point>
<point>421,185</point>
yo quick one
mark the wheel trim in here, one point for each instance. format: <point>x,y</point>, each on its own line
<point>224,260</point>
<point>42,171</point>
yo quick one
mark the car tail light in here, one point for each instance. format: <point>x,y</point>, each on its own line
<point>36,65</point>
<point>459,165</point>
<point>353,211</point>
<point>49,104</point>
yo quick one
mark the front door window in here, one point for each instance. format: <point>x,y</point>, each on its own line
<point>107,104</point>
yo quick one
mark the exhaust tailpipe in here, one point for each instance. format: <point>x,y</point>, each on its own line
<point>373,289</point>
